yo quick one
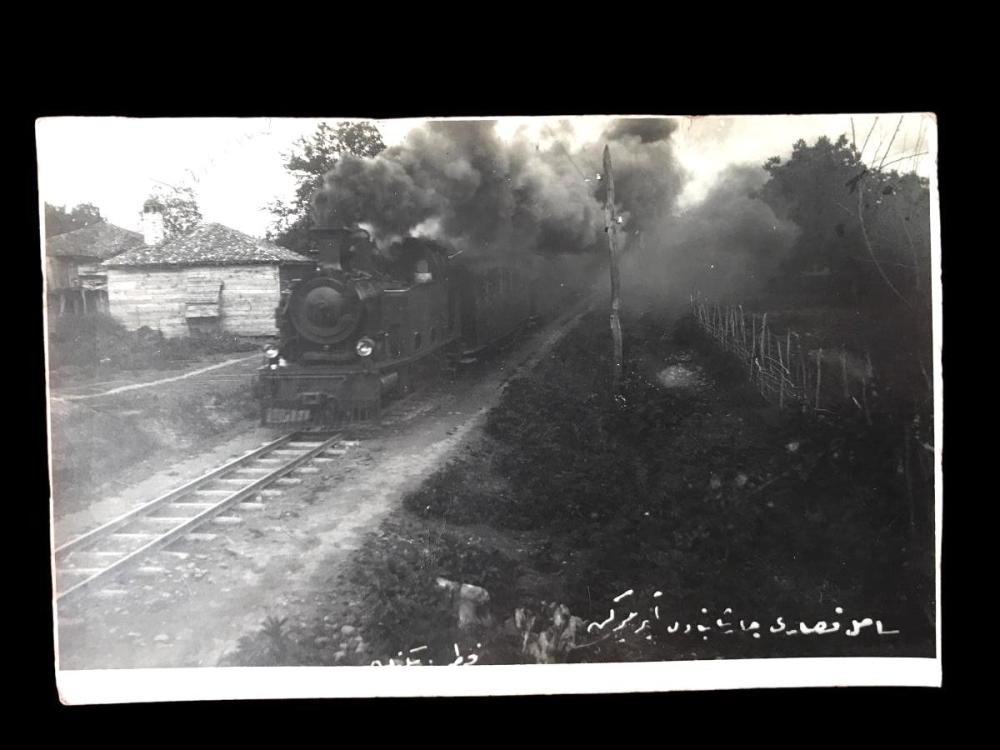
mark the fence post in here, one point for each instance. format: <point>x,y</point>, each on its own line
<point>803,371</point>
<point>819,373</point>
<point>906,474</point>
<point>781,386</point>
<point>843,370</point>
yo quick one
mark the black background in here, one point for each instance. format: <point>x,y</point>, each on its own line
<point>601,64</point>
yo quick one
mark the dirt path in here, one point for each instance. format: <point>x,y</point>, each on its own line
<point>155,383</point>
<point>290,554</point>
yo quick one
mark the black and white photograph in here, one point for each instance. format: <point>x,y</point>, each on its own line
<point>590,404</point>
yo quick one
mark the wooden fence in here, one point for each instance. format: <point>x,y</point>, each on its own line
<point>784,369</point>
<point>835,382</point>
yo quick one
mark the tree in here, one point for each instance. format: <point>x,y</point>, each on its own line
<point>811,189</point>
<point>179,208</point>
<point>868,225</point>
<point>59,221</point>
<point>309,162</point>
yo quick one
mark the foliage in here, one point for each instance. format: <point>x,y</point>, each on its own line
<point>868,227</point>
<point>550,635</point>
<point>270,646</point>
<point>179,207</point>
<point>398,567</point>
<point>692,492</point>
<point>309,162</point>
<point>59,221</point>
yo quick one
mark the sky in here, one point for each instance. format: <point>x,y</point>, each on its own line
<point>235,165</point>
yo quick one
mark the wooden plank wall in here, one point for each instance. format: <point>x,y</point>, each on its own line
<point>157,298</point>
<point>249,296</point>
<point>59,273</point>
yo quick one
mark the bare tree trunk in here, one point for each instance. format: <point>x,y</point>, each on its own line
<point>868,244</point>
<point>616,325</point>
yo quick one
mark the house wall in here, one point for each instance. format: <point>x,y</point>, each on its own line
<point>249,296</point>
<point>59,272</point>
<point>158,298</point>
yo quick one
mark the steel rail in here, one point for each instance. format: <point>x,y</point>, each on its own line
<point>189,524</point>
<point>136,513</point>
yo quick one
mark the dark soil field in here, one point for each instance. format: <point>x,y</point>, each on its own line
<point>713,525</point>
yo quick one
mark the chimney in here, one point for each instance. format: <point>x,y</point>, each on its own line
<point>153,232</point>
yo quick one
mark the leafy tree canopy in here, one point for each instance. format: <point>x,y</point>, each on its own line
<point>179,208</point>
<point>812,188</point>
<point>59,221</point>
<point>310,159</point>
<point>855,218</point>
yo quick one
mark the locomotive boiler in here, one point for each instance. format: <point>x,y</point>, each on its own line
<point>365,324</point>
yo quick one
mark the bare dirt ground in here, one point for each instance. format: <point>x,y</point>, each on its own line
<point>106,445</point>
<point>279,560</point>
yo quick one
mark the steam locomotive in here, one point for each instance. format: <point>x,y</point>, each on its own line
<point>363,325</point>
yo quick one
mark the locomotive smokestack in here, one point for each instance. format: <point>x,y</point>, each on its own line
<point>332,244</point>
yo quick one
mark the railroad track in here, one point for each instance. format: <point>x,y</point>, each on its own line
<point>100,555</point>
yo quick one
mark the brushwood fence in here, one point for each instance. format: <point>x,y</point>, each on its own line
<point>784,369</point>
<point>836,382</point>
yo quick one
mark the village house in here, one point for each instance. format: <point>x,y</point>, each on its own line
<point>74,278</point>
<point>212,280</point>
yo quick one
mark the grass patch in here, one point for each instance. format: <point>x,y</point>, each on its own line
<point>698,500</point>
<point>694,493</point>
<point>98,342</point>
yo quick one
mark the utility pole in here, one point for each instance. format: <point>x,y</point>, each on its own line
<point>610,227</point>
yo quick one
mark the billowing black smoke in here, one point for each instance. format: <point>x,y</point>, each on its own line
<point>646,129</point>
<point>727,245</point>
<point>460,182</point>
<point>648,176</point>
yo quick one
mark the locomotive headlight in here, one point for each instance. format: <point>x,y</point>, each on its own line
<point>271,352</point>
<point>364,347</point>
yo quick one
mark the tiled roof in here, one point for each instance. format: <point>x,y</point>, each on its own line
<point>101,240</point>
<point>208,245</point>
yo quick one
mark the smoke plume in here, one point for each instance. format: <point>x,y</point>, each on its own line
<point>460,182</point>
<point>727,245</point>
<point>646,129</point>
